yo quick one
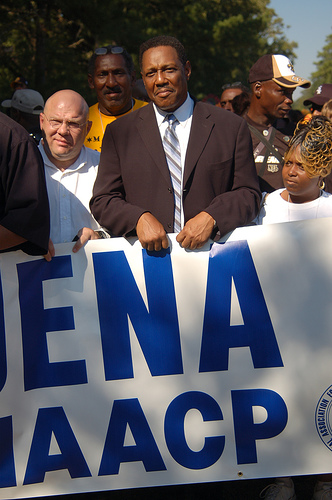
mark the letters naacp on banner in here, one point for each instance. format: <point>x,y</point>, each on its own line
<point>121,369</point>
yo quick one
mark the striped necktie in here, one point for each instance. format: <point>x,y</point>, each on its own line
<point>173,157</point>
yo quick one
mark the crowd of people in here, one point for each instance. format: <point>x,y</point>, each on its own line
<point>163,162</point>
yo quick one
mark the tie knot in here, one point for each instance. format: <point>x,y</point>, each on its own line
<point>171,119</point>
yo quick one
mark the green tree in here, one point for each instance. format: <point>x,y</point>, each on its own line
<point>50,42</point>
<point>38,41</point>
<point>223,39</point>
<point>323,73</point>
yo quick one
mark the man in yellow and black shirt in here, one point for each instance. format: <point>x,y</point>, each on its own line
<point>112,75</point>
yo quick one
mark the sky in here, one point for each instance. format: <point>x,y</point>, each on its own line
<point>307,22</point>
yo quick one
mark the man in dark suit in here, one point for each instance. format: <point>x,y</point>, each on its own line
<point>24,208</point>
<point>135,192</point>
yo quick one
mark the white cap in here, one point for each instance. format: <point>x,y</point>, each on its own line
<point>26,100</point>
<point>278,68</point>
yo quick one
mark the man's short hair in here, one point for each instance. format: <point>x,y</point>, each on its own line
<point>109,49</point>
<point>234,85</point>
<point>163,41</point>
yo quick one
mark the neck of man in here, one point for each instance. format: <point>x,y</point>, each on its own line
<point>59,163</point>
<point>129,106</point>
<point>259,115</point>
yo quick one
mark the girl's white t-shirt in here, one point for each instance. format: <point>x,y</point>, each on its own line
<point>275,209</point>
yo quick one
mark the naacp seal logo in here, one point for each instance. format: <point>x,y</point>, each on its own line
<point>323,418</point>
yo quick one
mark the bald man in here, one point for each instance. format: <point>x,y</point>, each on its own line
<point>70,169</point>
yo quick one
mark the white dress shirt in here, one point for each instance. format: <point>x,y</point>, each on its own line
<point>184,116</point>
<point>69,194</point>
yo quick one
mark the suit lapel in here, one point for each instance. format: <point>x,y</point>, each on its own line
<point>148,129</point>
<point>200,131</point>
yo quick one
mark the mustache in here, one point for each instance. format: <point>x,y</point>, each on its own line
<point>162,89</point>
<point>113,90</point>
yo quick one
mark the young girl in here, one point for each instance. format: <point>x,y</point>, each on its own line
<point>306,163</point>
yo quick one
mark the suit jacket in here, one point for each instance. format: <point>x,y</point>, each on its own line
<point>219,174</point>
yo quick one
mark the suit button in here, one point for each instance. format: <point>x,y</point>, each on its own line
<point>170,190</point>
<point>169,225</point>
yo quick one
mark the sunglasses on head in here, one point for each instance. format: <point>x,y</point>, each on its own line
<point>102,51</point>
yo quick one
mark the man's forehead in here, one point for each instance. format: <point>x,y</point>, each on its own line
<point>63,109</point>
<point>230,93</point>
<point>111,61</point>
<point>161,55</point>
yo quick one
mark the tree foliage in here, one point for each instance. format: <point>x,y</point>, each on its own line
<point>323,73</point>
<point>51,42</point>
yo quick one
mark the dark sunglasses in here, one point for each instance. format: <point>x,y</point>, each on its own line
<point>102,51</point>
<point>315,107</point>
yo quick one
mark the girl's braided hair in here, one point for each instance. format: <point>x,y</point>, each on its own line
<point>315,141</point>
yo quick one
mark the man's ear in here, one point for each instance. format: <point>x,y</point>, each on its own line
<point>90,82</point>
<point>41,120</point>
<point>257,89</point>
<point>187,69</point>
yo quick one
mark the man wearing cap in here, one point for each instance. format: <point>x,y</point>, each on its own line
<point>25,107</point>
<point>273,82</point>
<point>112,75</point>
<point>321,96</point>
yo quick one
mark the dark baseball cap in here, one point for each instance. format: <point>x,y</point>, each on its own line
<point>321,96</point>
<point>20,80</point>
<point>278,68</point>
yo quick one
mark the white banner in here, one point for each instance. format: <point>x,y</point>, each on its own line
<point>124,369</point>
